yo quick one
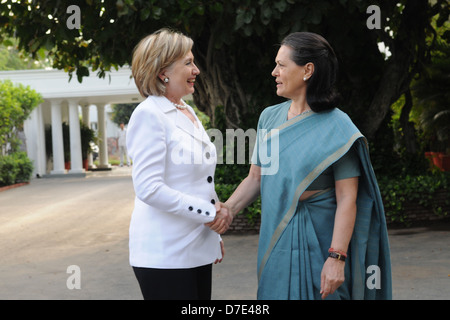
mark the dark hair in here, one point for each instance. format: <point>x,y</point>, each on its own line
<point>310,47</point>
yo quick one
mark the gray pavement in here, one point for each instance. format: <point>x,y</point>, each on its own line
<point>54,223</point>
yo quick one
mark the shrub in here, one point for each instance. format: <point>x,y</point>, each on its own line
<point>16,104</point>
<point>397,191</point>
<point>24,165</point>
<point>15,168</point>
<point>8,170</point>
<point>252,212</point>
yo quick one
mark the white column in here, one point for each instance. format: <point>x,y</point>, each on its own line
<point>35,135</point>
<point>76,161</point>
<point>42,155</point>
<point>103,143</point>
<point>41,162</point>
<point>86,121</point>
<point>30,130</point>
<point>57,138</point>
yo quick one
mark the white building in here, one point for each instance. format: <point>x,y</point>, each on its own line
<point>63,100</point>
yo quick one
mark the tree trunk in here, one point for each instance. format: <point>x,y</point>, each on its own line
<point>407,47</point>
<point>392,85</point>
<point>409,134</point>
<point>218,86</point>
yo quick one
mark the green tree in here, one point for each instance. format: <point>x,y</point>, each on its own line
<point>16,104</point>
<point>235,45</point>
<point>433,101</point>
<point>122,112</point>
<point>13,59</point>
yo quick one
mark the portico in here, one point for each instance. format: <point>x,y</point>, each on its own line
<point>62,102</point>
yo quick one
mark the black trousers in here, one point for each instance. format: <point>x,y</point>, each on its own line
<point>175,284</point>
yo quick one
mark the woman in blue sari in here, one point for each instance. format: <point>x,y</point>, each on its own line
<point>323,230</point>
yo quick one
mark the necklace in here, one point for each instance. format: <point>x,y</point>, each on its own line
<point>180,106</point>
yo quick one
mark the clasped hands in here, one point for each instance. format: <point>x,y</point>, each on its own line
<point>223,219</point>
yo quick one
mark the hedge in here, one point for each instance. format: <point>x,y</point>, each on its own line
<point>398,194</point>
<point>15,168</point>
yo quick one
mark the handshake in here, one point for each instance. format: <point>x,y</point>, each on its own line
<point>223,218</point>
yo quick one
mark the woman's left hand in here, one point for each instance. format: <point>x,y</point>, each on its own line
<point>332,276</point>
<point>222,248</point>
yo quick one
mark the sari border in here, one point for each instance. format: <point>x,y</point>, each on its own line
<point>301,187</point>
<point>289,123</point>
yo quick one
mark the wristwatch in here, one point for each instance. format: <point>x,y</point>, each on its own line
<point>336,255</point>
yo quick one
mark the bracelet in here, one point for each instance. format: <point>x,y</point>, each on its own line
<point>336,255</point>
<point>342,253</point>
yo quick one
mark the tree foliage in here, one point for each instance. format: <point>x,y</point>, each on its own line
<point>16,104</point>
<point>432,96</point>
<point>122,112</point>
<point>12,59</point>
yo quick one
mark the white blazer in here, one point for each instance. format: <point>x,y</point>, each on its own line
<point>173,173</point>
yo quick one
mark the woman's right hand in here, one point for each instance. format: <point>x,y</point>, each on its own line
<point>223,219</point>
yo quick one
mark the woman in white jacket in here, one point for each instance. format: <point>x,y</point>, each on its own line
<point>171,248</point>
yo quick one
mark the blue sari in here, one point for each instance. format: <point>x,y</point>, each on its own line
<point>295,236</point>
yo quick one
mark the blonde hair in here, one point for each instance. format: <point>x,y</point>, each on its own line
<point>155,53</point>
